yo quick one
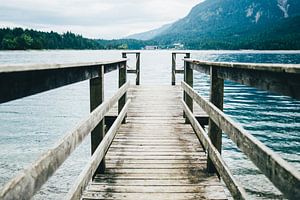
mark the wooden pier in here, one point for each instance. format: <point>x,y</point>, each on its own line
<point>153,142</point>
<point>155,155</point>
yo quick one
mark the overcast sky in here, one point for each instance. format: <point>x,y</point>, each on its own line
<point>93,18</point>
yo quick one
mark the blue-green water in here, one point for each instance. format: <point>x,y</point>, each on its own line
<point>31,125</point>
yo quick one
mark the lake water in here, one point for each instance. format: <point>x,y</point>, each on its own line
<point>29,126</point>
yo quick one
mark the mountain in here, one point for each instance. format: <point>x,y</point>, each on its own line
<point>235,24</point>
<point>149,34</point>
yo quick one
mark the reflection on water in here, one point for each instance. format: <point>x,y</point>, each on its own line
<point>31,125</point>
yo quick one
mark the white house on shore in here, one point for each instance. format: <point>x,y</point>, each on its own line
<point>178,46</point>
<point>151,47</point>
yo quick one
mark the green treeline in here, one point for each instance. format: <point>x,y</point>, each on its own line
<point>20,39</point>
<point>283,36</point>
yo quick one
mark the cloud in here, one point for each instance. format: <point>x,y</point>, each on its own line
<point>93,18</point>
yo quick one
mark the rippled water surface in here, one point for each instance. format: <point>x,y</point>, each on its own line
<point>31,125</point>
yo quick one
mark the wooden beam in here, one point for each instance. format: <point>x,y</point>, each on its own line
<point>283,175</point>
<point>179,71</point>
<point>235,188</point>
<point>283,79</point>
<point>84,178</point>
<point>30,180</point>
<point>173,69</point>
<point>26,80</point>
<point>96,99</point>
<point>188,78</point>
<point>122,81</point>
<point>216,98</point>
<point>138,68</point>
<point>131,71</point>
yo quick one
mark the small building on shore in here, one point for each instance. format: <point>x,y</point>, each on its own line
<point>151,47</point>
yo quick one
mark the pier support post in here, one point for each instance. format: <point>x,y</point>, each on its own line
<point>122,81</point>
<point>138,66</point>
<point>173,68</point>
<point>96,98</point>
<point>216,97</point>
<point>188,78</point>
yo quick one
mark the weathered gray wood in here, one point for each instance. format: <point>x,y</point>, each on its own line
<point>188,78</point>
<point>173,82</point>
<point>131,71</point>
<point>279,78</point>
<point>138,68</point>
<point>122,81</point>
<point>283,175</point>
<point>25,80</point>
<point>24,185</point>
<point>96,99</point>
<point>86,175</point>
<point>155,152</point>
<point>216,98</point>
<point>235,188</point>
<point>174,70</point>
<point>179,71</point>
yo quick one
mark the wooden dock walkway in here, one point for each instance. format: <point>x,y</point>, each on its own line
<point>158,153</point>
<point>155,155</point>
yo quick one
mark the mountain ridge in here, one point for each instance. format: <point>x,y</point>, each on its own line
<point>229,22</point>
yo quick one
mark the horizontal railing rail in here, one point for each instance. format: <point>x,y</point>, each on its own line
<point>17,81</point>
<point>283,79</point>
<point>22,79</point>
<point>282,174</point>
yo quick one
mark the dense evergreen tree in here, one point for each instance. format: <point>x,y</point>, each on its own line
<point>19,39</point>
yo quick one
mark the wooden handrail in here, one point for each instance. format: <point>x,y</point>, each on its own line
<point>24,185</point>
<point>86,175</point>
<point>30,79</point>
<point>283,79</point>
<point>174,70</point>
<point>137,69</point>
<point>235,188</point>
<point>283,175</point>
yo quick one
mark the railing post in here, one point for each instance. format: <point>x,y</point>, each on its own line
<point>173,68</point>
<point>138,66</point>
<point>96,99</point>
<point>122,81</point>
<point>216,97</point>
<point>188,78</point>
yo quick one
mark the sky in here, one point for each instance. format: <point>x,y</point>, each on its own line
<point>107,19</point>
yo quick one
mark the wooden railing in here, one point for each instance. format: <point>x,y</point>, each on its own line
<point>137,69</point>
<point>174,70</point>
<point>24,80</point>
<point>282,79</point>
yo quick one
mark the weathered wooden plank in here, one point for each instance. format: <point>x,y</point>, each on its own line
<point>82,181</point>
<point>283,175</point>
<point>279,78</point>
<point>156,189</point>
<point>153,149</point>
<point>24,185</point>
<point>150,196</point>
<point>26,80</point>
<point>157,182</point>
